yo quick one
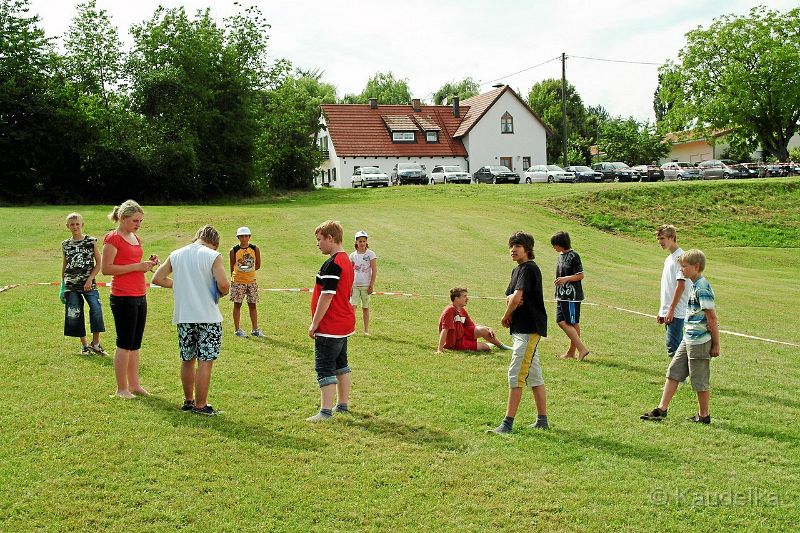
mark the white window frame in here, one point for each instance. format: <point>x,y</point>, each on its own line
<point>432,136</point>
<point>403,136</point>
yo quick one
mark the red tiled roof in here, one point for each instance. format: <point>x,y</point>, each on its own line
<point>478,105</point>
<point>358,130</point>
<point>686,136</point>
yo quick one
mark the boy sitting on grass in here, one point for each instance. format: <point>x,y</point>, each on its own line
<point>700,342</point>
<point>457,331</point>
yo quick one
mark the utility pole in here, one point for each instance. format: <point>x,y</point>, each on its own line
<point>564,102</point>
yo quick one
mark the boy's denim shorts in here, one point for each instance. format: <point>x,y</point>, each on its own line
<point>692,360</point>
<point>330,359</point>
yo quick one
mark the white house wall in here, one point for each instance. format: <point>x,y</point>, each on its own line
<point>485,143</point>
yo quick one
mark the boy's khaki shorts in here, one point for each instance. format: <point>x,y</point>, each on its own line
<point>525,368</point>
<point>692,360</point>
<point>360,294</point>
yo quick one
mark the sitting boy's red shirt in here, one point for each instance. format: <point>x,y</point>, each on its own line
<point>460,329</point>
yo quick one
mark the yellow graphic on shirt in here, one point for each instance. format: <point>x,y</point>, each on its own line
<point>245,269</point>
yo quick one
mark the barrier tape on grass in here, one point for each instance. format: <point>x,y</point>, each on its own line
<point>474,297</point>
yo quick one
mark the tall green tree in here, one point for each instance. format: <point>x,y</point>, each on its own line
<point>385,87</point>
<point>631,142</point>
<point>743,72</point>
<point>464,89</point>
<point>545,99</point>
<point>669,100</point>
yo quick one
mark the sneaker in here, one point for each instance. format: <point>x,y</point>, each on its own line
<point>99,350</point>
<point>339,409</point>
<point>539,425</point>
<point>257,333</point>
<point>502,429</point>
<point>207,411</point>
<point>655,415</point>
<point>188,405</point>
<point>319,417</point>
<point>700,419</point>
<point>240,333</point>
<point>504,346</point>
<point>86,350</point>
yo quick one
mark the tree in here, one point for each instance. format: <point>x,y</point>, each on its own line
<point>464,89</point>
<point>383,86</point>
<point>742,72</point>
<point>669,100</point>
<point>545,99</point>
<point>627,140</point>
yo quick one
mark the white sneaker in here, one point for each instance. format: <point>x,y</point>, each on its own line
<point>240,333</point>
<point>257,333</point>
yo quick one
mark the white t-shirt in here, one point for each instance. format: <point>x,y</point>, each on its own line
<point>194,286</point>
<point>362,267</point>
<point>669,282</point>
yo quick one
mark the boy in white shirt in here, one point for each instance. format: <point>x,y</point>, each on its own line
<point>673,293</point>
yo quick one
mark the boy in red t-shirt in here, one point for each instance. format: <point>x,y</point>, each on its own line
<point>333,320</point>
<point>457,331</point>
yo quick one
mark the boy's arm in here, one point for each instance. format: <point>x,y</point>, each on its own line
<point>679,288</point>
<point>233,260</point>
<point>161,277</point>
<point>713,328</point>
<point>442,341</point>
<point>258,257</point>
<point>566,279</point>
<point>512,302</point>
<point>87,286</point>
<point>323,304</point>
<point>63,264</point>
<point>223,285</point>
<point>374,266</point>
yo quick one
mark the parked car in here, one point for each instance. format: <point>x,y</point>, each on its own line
<point>718,169</point>
<point>449,174</point>
<point>616,171</point>
<point>548,174</point>
<point>585,174</point>
<point>369,177</point>
<point>746,170</point>
<point>404,173</point>
<point>649,172</point>
<point>775,170</point>
<point>680,170</point>
<point>495,174</point>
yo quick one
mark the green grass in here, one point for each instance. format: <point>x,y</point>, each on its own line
<point>413,456</point>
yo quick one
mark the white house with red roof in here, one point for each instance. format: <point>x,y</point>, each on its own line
<point>494,128</point>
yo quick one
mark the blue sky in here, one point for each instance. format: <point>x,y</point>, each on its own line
<point>431,43</point>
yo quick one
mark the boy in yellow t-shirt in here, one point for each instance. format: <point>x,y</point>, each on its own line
<point>245,260</point>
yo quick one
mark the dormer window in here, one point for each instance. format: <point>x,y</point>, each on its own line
<point>432,136</point>
<point>403,136</point>
<point>506,123</point>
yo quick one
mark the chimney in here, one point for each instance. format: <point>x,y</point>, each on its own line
<point>456,110</point>
<point>415,104</point>
<point>373,103</point>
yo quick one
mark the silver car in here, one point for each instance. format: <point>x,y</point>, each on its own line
<point>714,169</point>
<point>680,170</point>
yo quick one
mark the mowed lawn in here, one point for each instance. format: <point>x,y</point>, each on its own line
<point>414,455</point>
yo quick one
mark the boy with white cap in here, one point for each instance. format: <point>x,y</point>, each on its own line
<point>245,259</point>
<point>365,267</point>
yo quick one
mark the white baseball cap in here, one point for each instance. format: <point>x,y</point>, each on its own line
<point>244,230</point>
<point>361,233</point>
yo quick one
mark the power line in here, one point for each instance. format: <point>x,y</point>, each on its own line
<point>615,60</point>
<point>521,71</point>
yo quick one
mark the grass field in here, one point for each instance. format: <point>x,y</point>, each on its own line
<point>413,456</point>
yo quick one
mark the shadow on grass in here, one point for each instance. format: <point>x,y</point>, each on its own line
<point>401,341</point>
<point>228,428</point>
<point>625,449</point>
<point>761,433</point>
<point>394,430</point>
<point>637,369</point>
<point>755,397</point>
<point>101,360</point>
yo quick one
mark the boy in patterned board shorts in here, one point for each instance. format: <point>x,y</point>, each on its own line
<point>81,263</point>
<point>245,259</point>
<point>198,280</point>
<point>526,318</point>
<point>700,342</point>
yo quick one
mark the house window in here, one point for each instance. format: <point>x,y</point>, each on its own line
<point>506,123</point>
<point>526,162</point>
<point>403,136</point>
<point>507,162</point>
<point>432,136</point>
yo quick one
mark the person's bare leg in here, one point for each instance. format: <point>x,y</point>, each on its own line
<point>540,398</point>
<point>187,379</point>
<point>96,338</point>
<point>343,387</point>
<point>514,398</point>
<point>84,340</point>
<point>703,400</point>
<point>366,320</point>
<point>202,382</point>
<point>253,315</point>
<point>326,394</point>
<point>121,373</point>
<point>574,339</point>
<point>670,386</point>
<point>482,332</point>
<point>237,315</point>
<point>133,374</point>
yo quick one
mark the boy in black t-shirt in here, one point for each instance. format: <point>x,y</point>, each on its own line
<point>527,319</point>
<point>569,294</point>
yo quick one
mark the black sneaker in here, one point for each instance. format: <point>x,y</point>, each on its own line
<point>188,405</point>
<point>207,411</point>
<point>700,419</point>
<point>656,415</point>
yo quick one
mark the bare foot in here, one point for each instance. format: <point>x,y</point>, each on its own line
<point>568,356</point>
<point>125,395</point>
<point>366,333</point>
<point>582,355</point>
<point>140,392</point>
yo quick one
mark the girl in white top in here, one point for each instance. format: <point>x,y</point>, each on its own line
<point>365,268</point>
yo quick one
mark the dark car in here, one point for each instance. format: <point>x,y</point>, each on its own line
<point>585,174</point>
<point>746,170</point>
<point>495,174</point>
<point>774,170</point>
<point>649,173</point>
<point>616,171</point>
<point>404,173</point>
